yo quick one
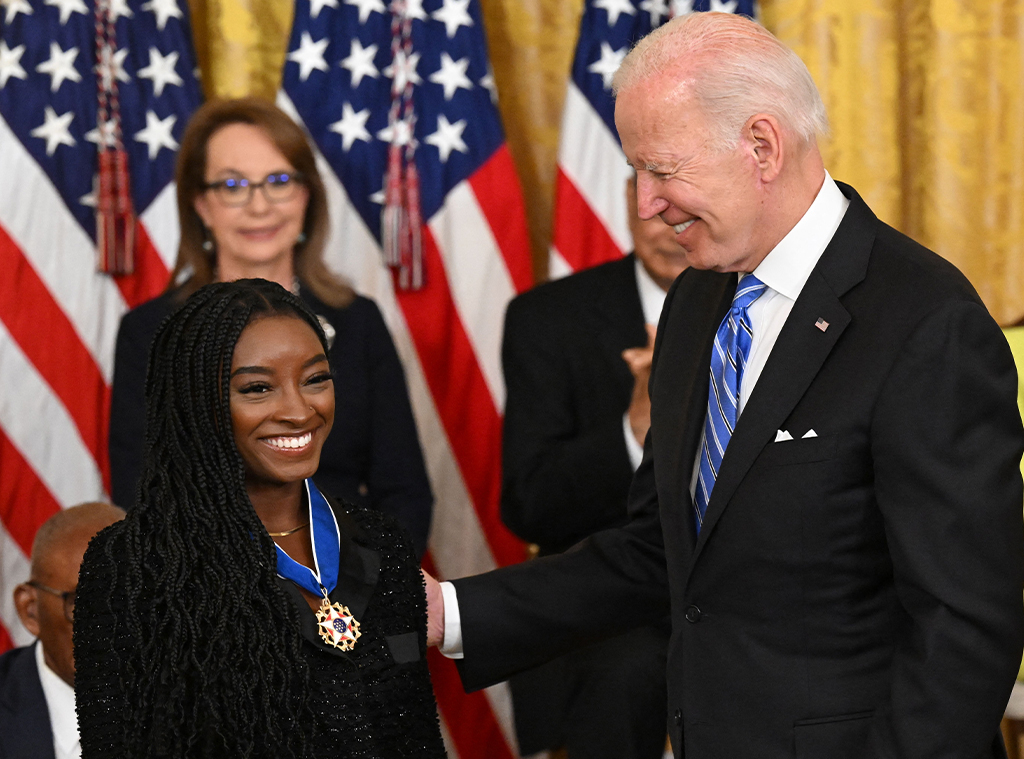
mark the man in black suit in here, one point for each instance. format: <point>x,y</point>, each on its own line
<point>851,589</point>
<point>576,356</point>
<point>37,697</point>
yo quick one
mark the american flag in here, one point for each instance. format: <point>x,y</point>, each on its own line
<point>590,224</point>
<point>349,67</point>
<point>58,315</point>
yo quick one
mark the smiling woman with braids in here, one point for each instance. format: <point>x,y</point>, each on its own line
<point>236,612</point>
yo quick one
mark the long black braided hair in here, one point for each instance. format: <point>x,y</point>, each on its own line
<point>219,670</point>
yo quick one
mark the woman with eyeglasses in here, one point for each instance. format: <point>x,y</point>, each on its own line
<point>238,611</point>
<point>251,203</point>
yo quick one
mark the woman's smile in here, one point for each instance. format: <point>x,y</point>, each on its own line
<point>297,443</point>
<point>266,232</point>
<point>282,400</point>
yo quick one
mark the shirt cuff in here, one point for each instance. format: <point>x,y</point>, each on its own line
<point>633,448</point>
<point>452,644</point>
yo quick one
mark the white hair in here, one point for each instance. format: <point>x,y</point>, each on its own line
<point>735,68</point>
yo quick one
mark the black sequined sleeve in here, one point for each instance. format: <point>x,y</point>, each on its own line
<point>100,643</point>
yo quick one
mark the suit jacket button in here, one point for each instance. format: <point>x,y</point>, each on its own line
<point>678,717</point>
<point>692,614</point>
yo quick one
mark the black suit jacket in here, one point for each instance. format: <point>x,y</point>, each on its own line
<point>853,595</point>
<point>24,719</point>
<point>372,456</point>
<point>565,468</point>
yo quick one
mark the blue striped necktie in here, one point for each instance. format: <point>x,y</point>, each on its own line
<point>728,359</point>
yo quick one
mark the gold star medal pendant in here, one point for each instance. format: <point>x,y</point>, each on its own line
<point>336,624</point>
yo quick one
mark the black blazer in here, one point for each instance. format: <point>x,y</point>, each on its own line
<point>566,472</point>
<point>372,456</point>
<point>25,731</point>
<point>852,595</point>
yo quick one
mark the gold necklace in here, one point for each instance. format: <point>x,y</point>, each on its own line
<point>287,532</point>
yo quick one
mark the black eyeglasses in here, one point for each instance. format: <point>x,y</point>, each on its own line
<point>237,191</point>
<point>67,596</point>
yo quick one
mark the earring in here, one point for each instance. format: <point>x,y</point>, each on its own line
<point>301,238</point>
<point>208,245</point>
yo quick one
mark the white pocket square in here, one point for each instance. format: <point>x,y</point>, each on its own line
<point>782,435</point>
<point>810,433</point>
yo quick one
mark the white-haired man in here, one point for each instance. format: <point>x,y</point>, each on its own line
<point>830,499</point>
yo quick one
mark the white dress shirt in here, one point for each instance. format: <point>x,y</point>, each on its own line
<point>60,703</point>
<point>785,271</point>
<point>652,298</point>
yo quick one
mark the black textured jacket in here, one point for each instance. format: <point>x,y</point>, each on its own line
<point>374,702</point>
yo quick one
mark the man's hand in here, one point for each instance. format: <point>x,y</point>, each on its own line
<point>435,611</point>
<point>639,362</point>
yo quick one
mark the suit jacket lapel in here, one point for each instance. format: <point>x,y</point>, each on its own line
<point>681,386</point>
<point>798,354</point>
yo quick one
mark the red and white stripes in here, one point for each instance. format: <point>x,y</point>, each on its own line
<point>590,225</point>
<point>58,323</point>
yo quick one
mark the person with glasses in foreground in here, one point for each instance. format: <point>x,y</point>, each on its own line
<point>37,697</point>
<point>252,204</point>
<point>237,611</point>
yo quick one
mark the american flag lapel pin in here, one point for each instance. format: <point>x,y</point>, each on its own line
<point>821,324</point>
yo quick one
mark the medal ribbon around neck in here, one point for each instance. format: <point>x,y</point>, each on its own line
<point>336,624</point>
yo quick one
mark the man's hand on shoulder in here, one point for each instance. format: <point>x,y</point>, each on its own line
<point>435,610</point>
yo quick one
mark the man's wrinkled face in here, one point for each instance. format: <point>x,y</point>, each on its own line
<point>711,197</point>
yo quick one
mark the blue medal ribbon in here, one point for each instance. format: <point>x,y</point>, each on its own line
<point>326,539</point>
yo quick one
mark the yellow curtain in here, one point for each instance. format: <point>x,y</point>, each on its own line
<point>531,44</point>
<point>241,45</point>
<point>925,98</point>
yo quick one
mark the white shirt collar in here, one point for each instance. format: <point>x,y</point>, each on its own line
<point>60,703</point>
<point>786,268</point>
<point>652,297</point>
